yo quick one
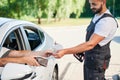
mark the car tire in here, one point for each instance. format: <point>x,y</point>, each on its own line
<point>116,77</point>
<point>55,74</point>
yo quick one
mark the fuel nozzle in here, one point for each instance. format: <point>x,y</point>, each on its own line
<point>79,56</point>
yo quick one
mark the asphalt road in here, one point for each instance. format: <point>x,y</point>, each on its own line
<point>69,67</point>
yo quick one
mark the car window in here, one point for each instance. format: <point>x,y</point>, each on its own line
<point>35,37</point>
<point>13,41</point>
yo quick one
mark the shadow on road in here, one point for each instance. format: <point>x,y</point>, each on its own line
<point>116,39</point>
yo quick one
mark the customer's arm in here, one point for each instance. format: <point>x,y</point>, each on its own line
<point>21,53</point>
<point>30,60</point>
<point>21,56</point>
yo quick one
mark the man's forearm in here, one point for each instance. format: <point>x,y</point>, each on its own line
<point>4,61</point>
<point>79,48</point>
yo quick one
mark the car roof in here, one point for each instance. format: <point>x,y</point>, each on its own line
<point>4,20</point>
<point>7,23</point>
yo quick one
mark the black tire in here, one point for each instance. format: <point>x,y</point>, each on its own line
<point>55,74</point>
<point>116,77</point>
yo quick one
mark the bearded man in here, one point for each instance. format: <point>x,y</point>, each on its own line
<point>100,32</point>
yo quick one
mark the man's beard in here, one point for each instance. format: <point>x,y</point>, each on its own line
<point>95,11</point>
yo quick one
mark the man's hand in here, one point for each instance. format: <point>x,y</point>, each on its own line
<point>59,54</point>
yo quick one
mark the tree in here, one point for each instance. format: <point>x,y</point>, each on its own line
<point>64,8</point>
<point>50,9</point>
<point>86,10</point>
<point>58,9</point>
<point>78,7</point>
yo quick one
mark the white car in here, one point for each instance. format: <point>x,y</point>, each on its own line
<point>24,35</point>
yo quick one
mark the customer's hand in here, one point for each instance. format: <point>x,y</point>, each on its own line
<point>30,60</point>
<point>47,53</point>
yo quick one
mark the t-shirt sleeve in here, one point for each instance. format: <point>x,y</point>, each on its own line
<point>104,27</point>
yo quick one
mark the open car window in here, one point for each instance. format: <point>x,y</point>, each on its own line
<point>13,41</point>
<point>35,37</point>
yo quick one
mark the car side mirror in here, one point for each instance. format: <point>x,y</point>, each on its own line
<point>15,71</point>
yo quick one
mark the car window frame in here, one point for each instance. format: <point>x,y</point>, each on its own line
<point>23,26</point>
<point>23,34</point>
<point>15,29</point>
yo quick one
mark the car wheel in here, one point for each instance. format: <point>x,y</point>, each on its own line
<point>116,77</point>
<point>55,74</point>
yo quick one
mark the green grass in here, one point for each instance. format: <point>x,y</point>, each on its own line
<point>64,22</point>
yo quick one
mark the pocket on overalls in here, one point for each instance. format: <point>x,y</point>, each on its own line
<point>99,60</point>
<point>90,62</point>
<point>99,63</point>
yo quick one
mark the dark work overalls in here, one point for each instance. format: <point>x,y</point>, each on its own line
<point>97,59</point>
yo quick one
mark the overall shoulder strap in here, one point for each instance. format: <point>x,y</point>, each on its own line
<point>107,15</point>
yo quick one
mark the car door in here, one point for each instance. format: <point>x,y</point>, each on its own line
<point>12,40</point>
<point>35,38</point>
